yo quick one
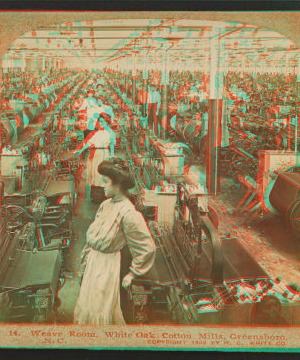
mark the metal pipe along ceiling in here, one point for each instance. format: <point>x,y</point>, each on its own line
<point>113,42</point>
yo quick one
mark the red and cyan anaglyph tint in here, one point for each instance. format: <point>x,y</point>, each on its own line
<point>150,174</point>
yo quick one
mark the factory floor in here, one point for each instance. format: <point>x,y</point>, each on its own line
<point>84,214</point>
<point>266,238</point>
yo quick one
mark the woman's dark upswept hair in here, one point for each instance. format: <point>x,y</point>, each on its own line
<point>118,171</point>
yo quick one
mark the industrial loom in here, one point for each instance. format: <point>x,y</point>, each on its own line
<point>29,268</point>
<point>200,278</point>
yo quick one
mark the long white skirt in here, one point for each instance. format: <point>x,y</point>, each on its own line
<point>99,298</point>
<point>96,156</point>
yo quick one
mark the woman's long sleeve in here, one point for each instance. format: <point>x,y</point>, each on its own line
<point>141,244</point>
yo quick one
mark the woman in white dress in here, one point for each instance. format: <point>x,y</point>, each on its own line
<point>101,144</point>
<point>90,105</point>
<point>117,223</point>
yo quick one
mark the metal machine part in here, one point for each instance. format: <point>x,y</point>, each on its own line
<point>13,122</point>
<point>28,277</point>
<point>200,278</point>
<point>30,283</point>
<point>285,197</point>
<point>188,257</point>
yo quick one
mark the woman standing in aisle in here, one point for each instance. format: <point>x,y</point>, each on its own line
<point>90,104</point>
<point>153,104</point>
<point>117,223</point>
<point>101,143</point>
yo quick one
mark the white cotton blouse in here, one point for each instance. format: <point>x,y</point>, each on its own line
<point>117,224</point>
<point>100,139</point>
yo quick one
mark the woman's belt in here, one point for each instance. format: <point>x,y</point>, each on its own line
<point>100,148</point>
<point>107,252</point>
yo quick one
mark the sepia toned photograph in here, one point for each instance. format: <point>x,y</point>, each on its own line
<point>150,180</point>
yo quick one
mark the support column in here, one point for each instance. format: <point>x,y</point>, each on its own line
<point>133,90</point>
<point>50,65</point>
<point>27,64</point>
<point>164,98</point>
<point>145,85</point>
<point>298,71</point>
<point>39,64</point>
<point>154,71</point>
<point>32,63</point>
<point>23,62</point>
<point>124,75</point>
<point>134,76</point>
<point>126,83</point>
<point>12,63</point>
<point>297,124</point>
<point>214,135</point>
<point>296,141</point>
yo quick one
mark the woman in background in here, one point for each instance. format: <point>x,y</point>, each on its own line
<point>101,143</point>
<point>90,105</point>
